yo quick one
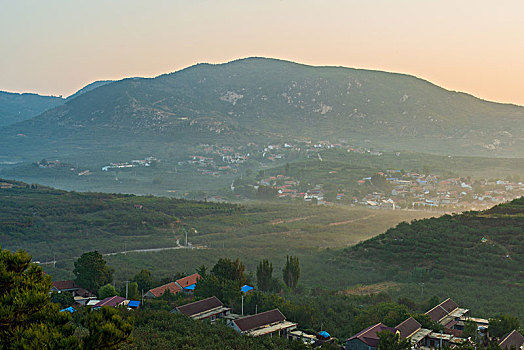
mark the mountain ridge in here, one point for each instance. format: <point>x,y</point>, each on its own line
<point>287,100</point>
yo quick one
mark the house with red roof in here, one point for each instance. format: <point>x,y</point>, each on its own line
<point>185,282</point>
<point>157,292</point>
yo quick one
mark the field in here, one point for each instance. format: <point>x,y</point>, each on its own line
<point>53,224</point>
<point>342,249</point>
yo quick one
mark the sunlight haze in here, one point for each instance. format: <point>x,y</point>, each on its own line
<point>56,47</point>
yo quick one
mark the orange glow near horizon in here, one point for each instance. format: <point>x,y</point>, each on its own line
<point>58,46</point>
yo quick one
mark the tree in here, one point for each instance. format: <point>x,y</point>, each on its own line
<point>392,341</point>
<point>28,318</point>
<point>503,324</point>
<point>65,299</point>
<point>291,271</point>
<point>202,271</point>
<point>388,313</point>
<point>133,292</point>
<point>107,329</point>
<point>143,280</point>
<point>107,291</point>
<point>266,192</point>
<point>92,272</point>
<point>226,269</point>
<point>470,330</point>
<point>264,275</point>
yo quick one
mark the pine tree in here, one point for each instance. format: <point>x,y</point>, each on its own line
<point>28,318</point>
<point>107,329</point>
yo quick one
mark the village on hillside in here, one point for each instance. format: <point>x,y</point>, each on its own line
<point>406,191</point>
<point>448,316</point>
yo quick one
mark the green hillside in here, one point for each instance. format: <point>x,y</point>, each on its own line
<point>475,257</point>
<point>51,223</point>
<point>267,99</point>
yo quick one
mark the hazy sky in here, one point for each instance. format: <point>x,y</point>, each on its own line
<point>58,46</point>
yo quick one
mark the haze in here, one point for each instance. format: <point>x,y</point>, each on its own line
<point>56,47</point>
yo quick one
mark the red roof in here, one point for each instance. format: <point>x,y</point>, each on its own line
<point>159,291</point>
<point>188,280</point>
<point>110,301</point>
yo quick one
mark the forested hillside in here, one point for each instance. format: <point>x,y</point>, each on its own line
<point>474,255</point>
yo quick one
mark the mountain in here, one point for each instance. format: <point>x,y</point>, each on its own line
<point>15,107</point>
<point>89,87</point>
<point>266,99</point>
<point>18,107</point>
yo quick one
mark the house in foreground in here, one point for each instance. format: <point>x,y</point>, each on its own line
<point>271,322</point>
<point>210,308</point>
<point>80,295</point>
<point>447,313</point>
<point>112,302</point>
<point>512,340</point>
<point>368,338</point>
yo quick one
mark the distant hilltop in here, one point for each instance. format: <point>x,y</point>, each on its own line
<point>269,99</point>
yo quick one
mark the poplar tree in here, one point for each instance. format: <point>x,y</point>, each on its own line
<point>264,275</point>
<point>291,271</point>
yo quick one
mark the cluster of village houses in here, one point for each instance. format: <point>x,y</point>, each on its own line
<point>432,191</point>
<point>409,190</point>
<point>215,159</point>
<point>274,323</point>
<point>133,164</point>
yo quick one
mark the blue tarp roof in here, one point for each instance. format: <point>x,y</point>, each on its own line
<point>324,334</point>
<point>133,303</point>
<point>190,287</point>
<point>68,309</point>
<point>245,288</point>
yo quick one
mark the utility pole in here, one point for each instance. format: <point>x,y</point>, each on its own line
<point>127,288</point>
<point>185,230</point>
<point>242,304</point>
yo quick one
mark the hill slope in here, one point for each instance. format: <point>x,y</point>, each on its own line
<point>266,99</point>
<point>18,107</point>
<point>475,257</point>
